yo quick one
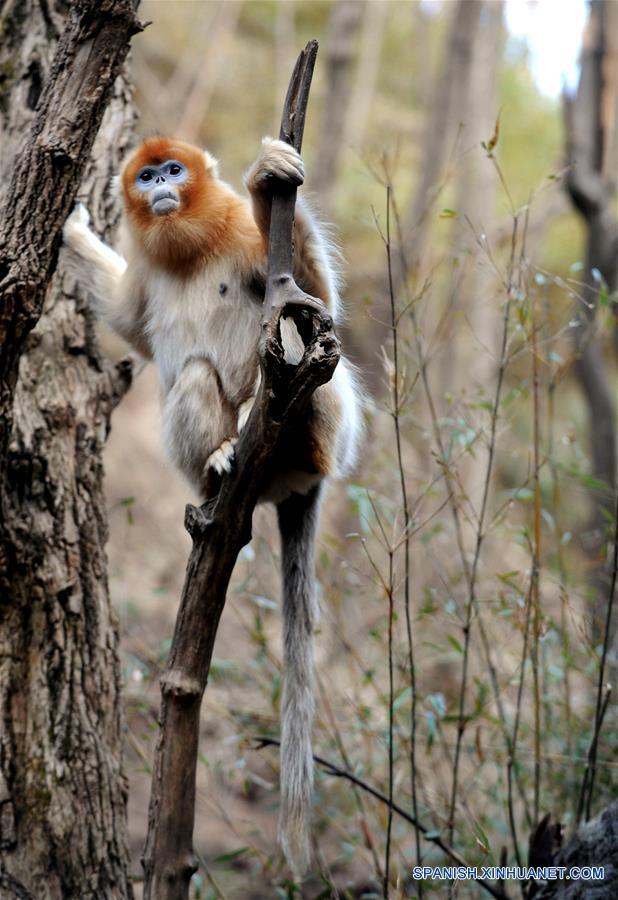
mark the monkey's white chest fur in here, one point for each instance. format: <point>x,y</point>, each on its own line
<point>212,316</point>
<point>203,331</point>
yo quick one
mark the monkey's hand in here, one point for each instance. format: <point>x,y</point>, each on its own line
<point>222,458</point>
<point>105,266</point>
<point>277,161</point>
<point>76,226</point>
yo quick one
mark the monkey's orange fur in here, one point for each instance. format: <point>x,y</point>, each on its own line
<point>212,220</point>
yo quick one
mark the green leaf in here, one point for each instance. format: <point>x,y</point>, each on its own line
<point>482,839</point>
<point>448,214</point>
<point>360,500</point>
<point>438,702</point>
<point>507,577</point>
<point>454,643</point>
<point>235,854</point>
<point>605,299</point>
<point>128,502</point>
<point>521,493</point>
<point>493,140</point>
<point>402,698</point>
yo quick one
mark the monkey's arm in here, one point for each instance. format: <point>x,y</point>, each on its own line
<point>118,298</point>
<point>315,257</point>
<point>337,425</point>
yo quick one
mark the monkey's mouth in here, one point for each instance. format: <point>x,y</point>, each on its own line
<point>164,201</point>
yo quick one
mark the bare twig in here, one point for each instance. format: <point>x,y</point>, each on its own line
<point>429,834</point>
<point>472,604</point>
<point>451,482</point>
<point>365,830</point>
<point>396,415</point>
<point>536,565</point>
<point>512,759</point>
<point>391,721</point>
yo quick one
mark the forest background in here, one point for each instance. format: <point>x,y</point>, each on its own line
<point>465,570</point>
<point>410,96</point>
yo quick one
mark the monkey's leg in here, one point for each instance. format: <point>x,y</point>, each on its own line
<point>199,423</point>
<point>298,518</point>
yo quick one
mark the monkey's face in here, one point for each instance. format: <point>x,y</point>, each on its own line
<point>160,185</point>
<point>166,181</point>
<point>170,192</point>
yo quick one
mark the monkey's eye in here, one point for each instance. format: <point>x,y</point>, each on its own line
<point>174,169</point>
<point>145,176</point>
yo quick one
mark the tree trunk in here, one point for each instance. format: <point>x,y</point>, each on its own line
<point>475,181</point>
<point>474,286</point>
<point>285,53</point>
<point>592,125</point>
<point>195,105</point>
<point>367,69</point>
<point>62,788</point>
<point>449,98</point>
<point>343,30</point>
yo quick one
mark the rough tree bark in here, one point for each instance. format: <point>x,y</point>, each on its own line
<point>222,526</point>
<point>62,790</point>
<point>594,844</point>
<point>592,124</point>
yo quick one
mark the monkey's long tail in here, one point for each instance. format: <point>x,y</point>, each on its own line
<point>297,523</point>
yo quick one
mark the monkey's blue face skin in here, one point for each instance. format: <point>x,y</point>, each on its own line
<point>160,184</point>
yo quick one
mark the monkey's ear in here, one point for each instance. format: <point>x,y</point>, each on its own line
<point>212,164</point>
<point>115,185</point>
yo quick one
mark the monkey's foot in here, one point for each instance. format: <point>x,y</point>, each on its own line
<point>244,411</point>
<point>221,459</point>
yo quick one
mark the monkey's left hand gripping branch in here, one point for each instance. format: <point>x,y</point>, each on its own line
<point>222,526</point>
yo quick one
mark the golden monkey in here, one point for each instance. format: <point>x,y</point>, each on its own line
<point>186,291</point>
